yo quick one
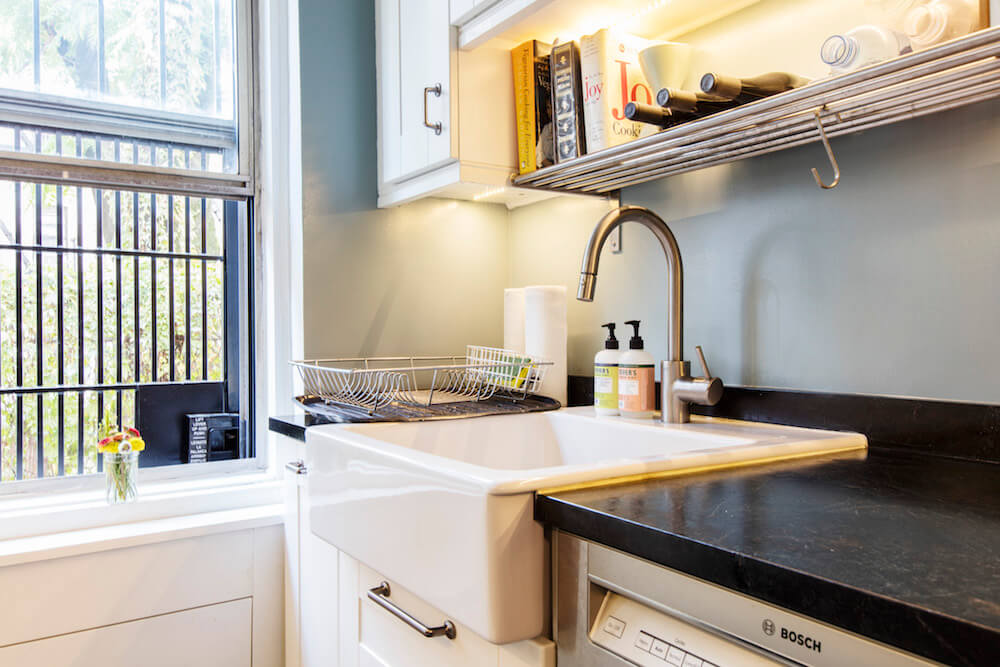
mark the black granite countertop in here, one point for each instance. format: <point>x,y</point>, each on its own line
<point>899,547</point>
<point>295,425</point>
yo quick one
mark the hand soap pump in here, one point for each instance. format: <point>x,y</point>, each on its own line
<point>636,379</point>
<point>606,375</point>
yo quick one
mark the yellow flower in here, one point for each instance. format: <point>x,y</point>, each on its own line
<point>138,444</point>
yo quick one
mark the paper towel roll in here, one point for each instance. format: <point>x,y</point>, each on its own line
<point>545,334</point>
<point>513,319</point>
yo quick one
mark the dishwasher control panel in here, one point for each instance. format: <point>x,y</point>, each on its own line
<point>649,637</point>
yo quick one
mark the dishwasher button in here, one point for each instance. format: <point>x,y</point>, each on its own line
<point>644,641</point>
<point>659,649</point>
<point>675,656</point>
<point>691,661</point>
<point>614,626</point>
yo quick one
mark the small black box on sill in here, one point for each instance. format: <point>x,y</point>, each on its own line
<point>213,437</point>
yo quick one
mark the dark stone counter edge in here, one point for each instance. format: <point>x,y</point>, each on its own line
<point>293,426</point>
<point>911,628</point>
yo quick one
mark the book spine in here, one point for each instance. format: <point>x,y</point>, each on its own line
<point>596,114</point>
<point>544,153</point>
<point>523,63</point>
<point>567,102</point>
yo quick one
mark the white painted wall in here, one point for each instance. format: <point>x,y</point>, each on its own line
<point>425,278</point>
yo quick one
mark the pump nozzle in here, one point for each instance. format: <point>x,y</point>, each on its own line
<point>611,343</point>
<point>635,342</point>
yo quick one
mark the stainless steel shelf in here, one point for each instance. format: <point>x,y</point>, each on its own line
<point>950,75</point>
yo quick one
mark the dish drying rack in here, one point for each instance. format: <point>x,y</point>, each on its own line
<point>371,383</point>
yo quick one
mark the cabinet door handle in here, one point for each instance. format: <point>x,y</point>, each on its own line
<point>436,89</point>
<point>380,596</point>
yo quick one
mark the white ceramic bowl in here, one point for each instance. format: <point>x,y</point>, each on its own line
<point>665,65</point>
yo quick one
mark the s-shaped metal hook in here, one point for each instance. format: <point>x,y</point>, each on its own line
<point>829,154</point>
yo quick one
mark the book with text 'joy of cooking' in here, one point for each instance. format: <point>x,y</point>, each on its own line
<point>611,78</point>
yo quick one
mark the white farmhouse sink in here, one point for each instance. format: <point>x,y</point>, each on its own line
<point>445,508</point>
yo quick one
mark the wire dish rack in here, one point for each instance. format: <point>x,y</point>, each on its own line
<point>369,383</point>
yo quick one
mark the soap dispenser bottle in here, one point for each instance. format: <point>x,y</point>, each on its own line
<point>606,375</point>
<point>636,379</point>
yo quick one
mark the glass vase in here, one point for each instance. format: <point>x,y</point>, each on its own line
<point>121,472</point>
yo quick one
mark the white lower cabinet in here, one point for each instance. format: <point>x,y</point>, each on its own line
<point>217,635</point>
<point>384,640</point>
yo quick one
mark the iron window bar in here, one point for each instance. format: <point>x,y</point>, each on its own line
<point>176,242</point>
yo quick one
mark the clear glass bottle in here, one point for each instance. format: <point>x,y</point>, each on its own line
<point>862,46</point>
<point>940,20</point>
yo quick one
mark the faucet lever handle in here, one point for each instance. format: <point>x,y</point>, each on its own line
<point>704,364</point>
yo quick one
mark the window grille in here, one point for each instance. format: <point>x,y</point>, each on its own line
<point>121,271</point>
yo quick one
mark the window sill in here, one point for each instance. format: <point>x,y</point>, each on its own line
<point>36,516</point>
<point>92,540</point>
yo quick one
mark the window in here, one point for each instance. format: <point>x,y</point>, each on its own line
<point>126,189</point>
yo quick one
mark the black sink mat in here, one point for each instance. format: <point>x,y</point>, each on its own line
<point>318,412</point>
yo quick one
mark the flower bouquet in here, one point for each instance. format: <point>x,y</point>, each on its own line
<point>120,448</point>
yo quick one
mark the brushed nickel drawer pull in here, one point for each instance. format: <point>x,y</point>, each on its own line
<point>436,89</point>
<point>380,596</point>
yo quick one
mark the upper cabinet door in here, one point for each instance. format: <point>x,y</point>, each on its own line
<point>387,76</point>
<point>425,82</point>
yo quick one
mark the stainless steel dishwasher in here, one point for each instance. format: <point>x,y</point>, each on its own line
<point>610,608</point>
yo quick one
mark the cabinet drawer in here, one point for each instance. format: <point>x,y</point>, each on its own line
<point>386,641</point>
<point>395,644</point>
<point>217,635</point>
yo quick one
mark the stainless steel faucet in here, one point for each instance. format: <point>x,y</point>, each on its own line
<point>677,387</point>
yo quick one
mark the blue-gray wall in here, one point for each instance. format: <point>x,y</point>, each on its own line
<point>425,278</point>
<point>888,284</point>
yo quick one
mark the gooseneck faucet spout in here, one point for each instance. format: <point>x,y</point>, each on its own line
<point>677,387</point>
<point>675,287</point>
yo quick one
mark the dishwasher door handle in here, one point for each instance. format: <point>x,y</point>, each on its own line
<point>380,596</point>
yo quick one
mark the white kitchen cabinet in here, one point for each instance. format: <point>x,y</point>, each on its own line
<point>547,20</point>
<point>415,87</point>
<point>463,11</point>
<point>311,605</point>
<point>217,635</point>
<point>445,117</point>
<point>488,18</point>
<point>383,640</point>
